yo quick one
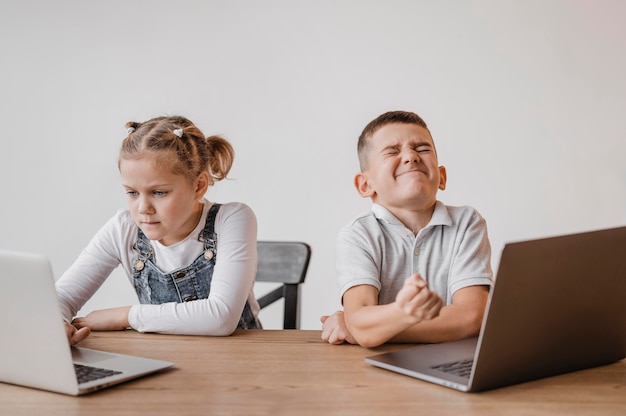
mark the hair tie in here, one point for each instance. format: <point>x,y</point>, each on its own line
<point>178,132</point>
<point>130,130</point>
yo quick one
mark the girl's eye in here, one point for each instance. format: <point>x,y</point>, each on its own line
<point>160,193</point>
<point>131,193</point>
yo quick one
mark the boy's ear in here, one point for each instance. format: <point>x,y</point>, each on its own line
<point>443,177</point>
<point>361,183</point>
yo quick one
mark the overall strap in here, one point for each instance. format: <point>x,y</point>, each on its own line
<point>208,235</point>
<point>144,248</point>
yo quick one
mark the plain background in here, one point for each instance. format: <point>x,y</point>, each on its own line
<point>525,100</point>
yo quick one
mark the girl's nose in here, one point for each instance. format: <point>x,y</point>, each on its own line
<point>145,207</point>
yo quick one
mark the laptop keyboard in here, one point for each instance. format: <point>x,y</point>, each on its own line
<point>86,373</point>
<point>461,368</point>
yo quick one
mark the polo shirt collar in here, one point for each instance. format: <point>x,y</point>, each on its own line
<point>440,215</point>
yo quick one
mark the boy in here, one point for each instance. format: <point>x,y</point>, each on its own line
<point>400,263</point>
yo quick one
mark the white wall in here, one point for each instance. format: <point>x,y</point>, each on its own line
<point>525,100</point>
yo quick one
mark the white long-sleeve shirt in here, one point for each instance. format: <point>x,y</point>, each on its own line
<point>231,286</point>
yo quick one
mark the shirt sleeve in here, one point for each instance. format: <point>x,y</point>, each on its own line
<point>357,262</point>
<point>472,263</point>
<point>231,285</point>
<point>92,267</point>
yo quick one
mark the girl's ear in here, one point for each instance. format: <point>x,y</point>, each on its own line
<point>202,183</point>
<point>362,185</point>
<point>443,177</point>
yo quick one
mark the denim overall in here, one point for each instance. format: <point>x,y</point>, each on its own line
<point>186,284</point>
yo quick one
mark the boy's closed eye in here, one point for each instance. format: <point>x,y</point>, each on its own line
<point>391,151</point>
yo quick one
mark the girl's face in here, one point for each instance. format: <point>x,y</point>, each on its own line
<point>164,205</point>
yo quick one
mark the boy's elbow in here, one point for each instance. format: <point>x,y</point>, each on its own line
<point>366,338</point>
<point>473,325</point>
<point>370,343</point>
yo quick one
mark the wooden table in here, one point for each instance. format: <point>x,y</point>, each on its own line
<point>294,373</point>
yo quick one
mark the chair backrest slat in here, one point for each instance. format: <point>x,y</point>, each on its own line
<point>285,262</point>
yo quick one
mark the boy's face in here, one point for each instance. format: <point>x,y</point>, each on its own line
<point>402,170</point>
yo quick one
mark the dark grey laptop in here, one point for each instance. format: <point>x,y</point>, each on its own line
<point>34,350</point>
<point>558,305</point>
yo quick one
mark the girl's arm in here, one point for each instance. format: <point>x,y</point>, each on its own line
<point>92,267</point>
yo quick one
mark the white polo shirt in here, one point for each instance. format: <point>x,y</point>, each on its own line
<point>450,253</point>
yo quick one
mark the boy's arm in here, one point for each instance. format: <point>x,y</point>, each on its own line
<point>371,324</point>
<point>461,319</point>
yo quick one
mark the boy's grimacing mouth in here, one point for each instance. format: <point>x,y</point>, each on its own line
<point>410,171</point>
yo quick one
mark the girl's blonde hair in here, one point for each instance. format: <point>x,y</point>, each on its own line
<point>177,144</point>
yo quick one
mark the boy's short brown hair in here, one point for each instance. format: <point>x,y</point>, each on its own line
<point>389,117</point>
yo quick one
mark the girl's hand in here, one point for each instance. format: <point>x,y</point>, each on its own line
<point>75,335</point>
<point>113,319</point>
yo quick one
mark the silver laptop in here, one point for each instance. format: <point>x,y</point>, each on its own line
<point>558,305</point>
<point>34,350</point>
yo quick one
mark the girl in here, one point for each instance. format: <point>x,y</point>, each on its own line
<point>191,262</point>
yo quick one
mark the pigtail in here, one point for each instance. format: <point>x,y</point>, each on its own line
<point>221,157</point>
<point>131,126</point>
<point>130,145</point>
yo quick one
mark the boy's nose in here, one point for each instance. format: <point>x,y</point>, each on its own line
<point>410,156</point>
